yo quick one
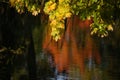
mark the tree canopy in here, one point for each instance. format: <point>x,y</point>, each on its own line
<point>102,12</point>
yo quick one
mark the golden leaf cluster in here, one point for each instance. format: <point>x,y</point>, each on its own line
<point>21,5</point>
<point>58,12</point>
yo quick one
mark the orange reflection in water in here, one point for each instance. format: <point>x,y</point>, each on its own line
<point>69,50</point>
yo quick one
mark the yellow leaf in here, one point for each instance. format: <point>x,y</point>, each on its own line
<point>68,14</point>
<point>53,6</point>
<point>53,22</point>
<point>60,1</point>
<point>57,38</point>
<point>34,13</point>
<point>110,28</point>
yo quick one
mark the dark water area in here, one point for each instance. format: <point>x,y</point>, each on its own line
<point>24,56</point>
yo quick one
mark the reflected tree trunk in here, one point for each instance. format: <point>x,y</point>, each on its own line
<point>31,59</point>
<point>30,51</point>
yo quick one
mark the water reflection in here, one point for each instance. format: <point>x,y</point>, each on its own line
<point>77,53</point>
<point>77,56</point>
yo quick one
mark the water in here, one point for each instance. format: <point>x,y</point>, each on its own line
<point>77,56</point>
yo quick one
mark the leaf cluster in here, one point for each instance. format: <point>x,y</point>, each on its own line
<point>23,5</point>
<point>102,12</point>
<point>58,11</point>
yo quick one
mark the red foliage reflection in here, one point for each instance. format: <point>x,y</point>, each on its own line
<point>75,47</point>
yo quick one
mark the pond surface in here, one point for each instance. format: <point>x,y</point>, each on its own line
<point>76,56</point>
